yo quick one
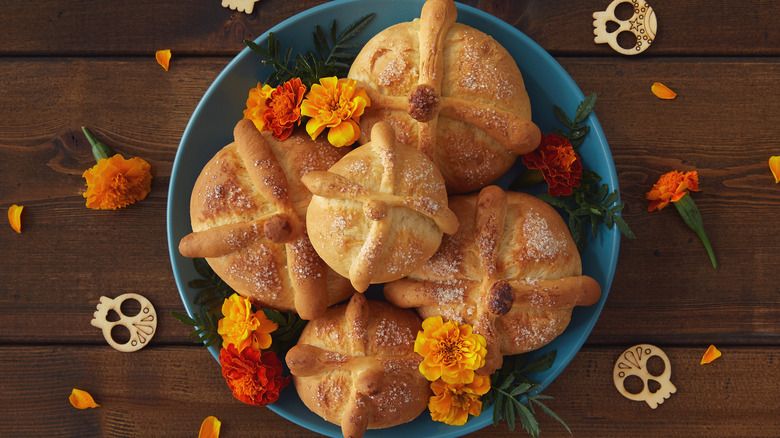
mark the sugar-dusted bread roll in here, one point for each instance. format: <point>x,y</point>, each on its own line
<point>451,91</point>
<point>356,366</point>
<point>379,212</point>
<point>512,271</point>
<point>247,211</point>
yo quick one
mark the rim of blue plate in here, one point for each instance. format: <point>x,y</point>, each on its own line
<point>599,258</point>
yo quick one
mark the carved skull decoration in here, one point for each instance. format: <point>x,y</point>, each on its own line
<point>642,24</point>
<point>141,326</point>
<point>633,362</point>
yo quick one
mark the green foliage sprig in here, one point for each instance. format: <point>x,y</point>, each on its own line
<point>213,291</point>
<point>324,61</point>
<point>289,328</point>
<point>514,395</point>
<point>205,324</point>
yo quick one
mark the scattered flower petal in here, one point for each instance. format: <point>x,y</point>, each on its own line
<point>662,91</point>
<point>81,399</point>
<point>210,427</point>
<point>15,217</point>
<point>774,166</point>
<point>711,354</point>
<point>163,58</point>
<point>116,182</point>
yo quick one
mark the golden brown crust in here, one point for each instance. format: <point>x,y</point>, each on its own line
<point>512,271</point>
<point>379,213</point>
<point>452,92</point>
<point>356,366</point>
<point>247,210</point>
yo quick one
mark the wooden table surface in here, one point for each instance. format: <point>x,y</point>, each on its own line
<point>64,65</point>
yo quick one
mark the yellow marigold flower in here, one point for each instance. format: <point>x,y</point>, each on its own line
<point>115,182</point>
<point>242,327</point>
<point>336,104</point>
<point>210,427</point>
<point>257,105</point>
<point>450,351</point>
<point>452,404</point>
<point>81,399</point>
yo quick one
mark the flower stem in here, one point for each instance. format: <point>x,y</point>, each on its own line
<point>99,150</point>
<point>690,214</point>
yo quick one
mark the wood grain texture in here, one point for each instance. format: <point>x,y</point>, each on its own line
<point>562,27</point>
<point>168,391</point>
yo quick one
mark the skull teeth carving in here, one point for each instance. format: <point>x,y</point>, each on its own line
<point>141,326</point>
<point>633,362</point>
<point>642,24</point>
<point>240,5</point>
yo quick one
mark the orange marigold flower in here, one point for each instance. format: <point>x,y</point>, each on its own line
<point>276,109</point>
<point>210,427</point>
<point>242,327</point>
<point>453,403</point>
<point>450,351</point>
<point>15,217</point>
<point>711,354</point>
<point>559,164</point>
<point>672,187</point>
<point>336,104</point>
<point>81,399</point>
<point>662,91</point>
<point>163,58</point>
<point>774,166</point>
<point>255,377</point>
<point>115,182</point>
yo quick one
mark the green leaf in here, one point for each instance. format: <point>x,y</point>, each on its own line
<point>550,412</point>
<point>184,318</point>
<point>692,217</point>
<point>623,227</point>
<point>561,116</point>
<point>540,364</point>
<point>585,108</point>
<point>527,419</point>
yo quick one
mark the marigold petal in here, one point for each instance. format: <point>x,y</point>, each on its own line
<point>82,399</point>
<point>210,427</point>
<point>344,134</point>
<point>711,354</point>
<point>662,91</point>
<point>774,166</point>
<point>163,58</point>
<point>15,217</point>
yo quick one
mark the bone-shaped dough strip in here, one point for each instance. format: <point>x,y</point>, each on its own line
<point>331,185</point>
<point>538,294</point>
<point>490,212</point>
<point>436,19</point>
<point>513,132</point>
<point>226,239</point>
<point>309,278</point>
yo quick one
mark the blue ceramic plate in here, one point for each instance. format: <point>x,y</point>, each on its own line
<point>211,127</point>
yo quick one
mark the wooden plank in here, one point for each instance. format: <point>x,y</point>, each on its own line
<point>559,26</point>
<point>44,153</point>
<point>144,393</point>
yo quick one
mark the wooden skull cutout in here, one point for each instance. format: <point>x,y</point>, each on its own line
<point>451,91</point>
<point>512,271</point>
<point>247,211</point>
<point>356,366</point>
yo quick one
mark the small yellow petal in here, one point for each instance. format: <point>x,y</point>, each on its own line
<point>163,58</point>
<point>81,399</point>
<point>15,217</point>
<point>774,166</point>
<point>711,354</point>
<point>662,91</point>
<point>210,427</point>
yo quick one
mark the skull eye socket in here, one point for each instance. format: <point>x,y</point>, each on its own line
<point>655,366</point>
<point>626,39</point>
<point>130,307</point>
<point>612,26</point>
<point>120,334</point>
<point>624,11</point>
<point>653,386</point>
<point>633,384</point>
<point>112,316</point>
